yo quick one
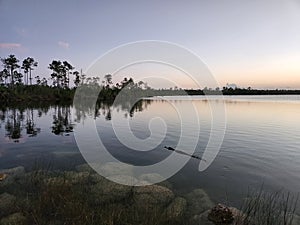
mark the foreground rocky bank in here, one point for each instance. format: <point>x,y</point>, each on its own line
<point>84,197</point>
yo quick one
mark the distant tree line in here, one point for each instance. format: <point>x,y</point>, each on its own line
<point>16,84</point>
<point>242,91</point>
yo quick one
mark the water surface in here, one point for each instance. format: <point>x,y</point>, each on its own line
<point>261,143</point>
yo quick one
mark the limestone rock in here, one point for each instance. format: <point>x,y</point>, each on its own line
<point>115,169</point>
<point>56,222</point>
<point>296,220</point>
<point>221,214</point>
<point>77,178</point>
<point>152,195</point>
<point>238,216</point>
<point>57,181</point>
<point>96,178</point>
<point>108,191</point>
<point>14,219</point>
<point>3,176</point>
<point>7,203</point>
<point>151,177</point>
<point>108,169</point>
<point>123,179</point>
<point>198,202</point>
<point>12,175</point>
<point>176,208</point>
<point>201,219</point>
<point>14,172</point>
<point>84,168</point>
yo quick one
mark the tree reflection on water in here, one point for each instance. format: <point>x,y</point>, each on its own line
<point>16,121</point>
<point>21,122</point>
<point>62,124</point>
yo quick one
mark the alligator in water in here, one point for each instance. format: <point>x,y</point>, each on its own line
<point>183,153</point>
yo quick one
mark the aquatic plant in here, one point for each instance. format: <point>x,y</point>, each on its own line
<point>68,197</point>
<point>268,208</point>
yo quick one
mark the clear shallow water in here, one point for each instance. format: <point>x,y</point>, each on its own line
<point>261,143</point>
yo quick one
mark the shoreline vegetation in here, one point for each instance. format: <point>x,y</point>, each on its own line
<point>81,196</point>
<point>27,94</point>
<point>18,85</point>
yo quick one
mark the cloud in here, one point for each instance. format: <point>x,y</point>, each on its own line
<point>63,44</point>
<point>10,45</point>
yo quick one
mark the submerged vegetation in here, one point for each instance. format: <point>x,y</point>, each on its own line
<point>84,197</point>
<point>263,208</point>
<point>80,196</point>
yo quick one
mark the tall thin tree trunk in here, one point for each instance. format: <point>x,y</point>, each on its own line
<point>25,78</point>
<point>30,77</point>
<point>12,76</point>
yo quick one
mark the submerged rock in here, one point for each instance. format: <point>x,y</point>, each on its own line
<point>201,219</point>
<point>176,208</point>
<point>107,169</point>
<point>84,168</point>
<point>198,202</point>
<point>57,181</point>
<point>56,222</point>
<point>7,204</point>
<point>221,214</point>
<point>108,191</point>
<point>124,180</point>
<point>14,219</point>
<point>152,196</point>
<point>238,216</point>
<point>11,175</point>
<point>296,220</point>
<point>115,169</point>
<point>205,218</point>
<point>96,178</point>
<point>3,176</point>
<point>77,178</point>
<point>14,172</point>
<point>151,177</point>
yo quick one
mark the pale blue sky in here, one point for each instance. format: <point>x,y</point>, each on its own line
<point>255,43</point>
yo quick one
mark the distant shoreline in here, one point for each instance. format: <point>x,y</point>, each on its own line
<point>37,94</point>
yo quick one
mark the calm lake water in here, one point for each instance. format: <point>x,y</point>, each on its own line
<point>261,143</point>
